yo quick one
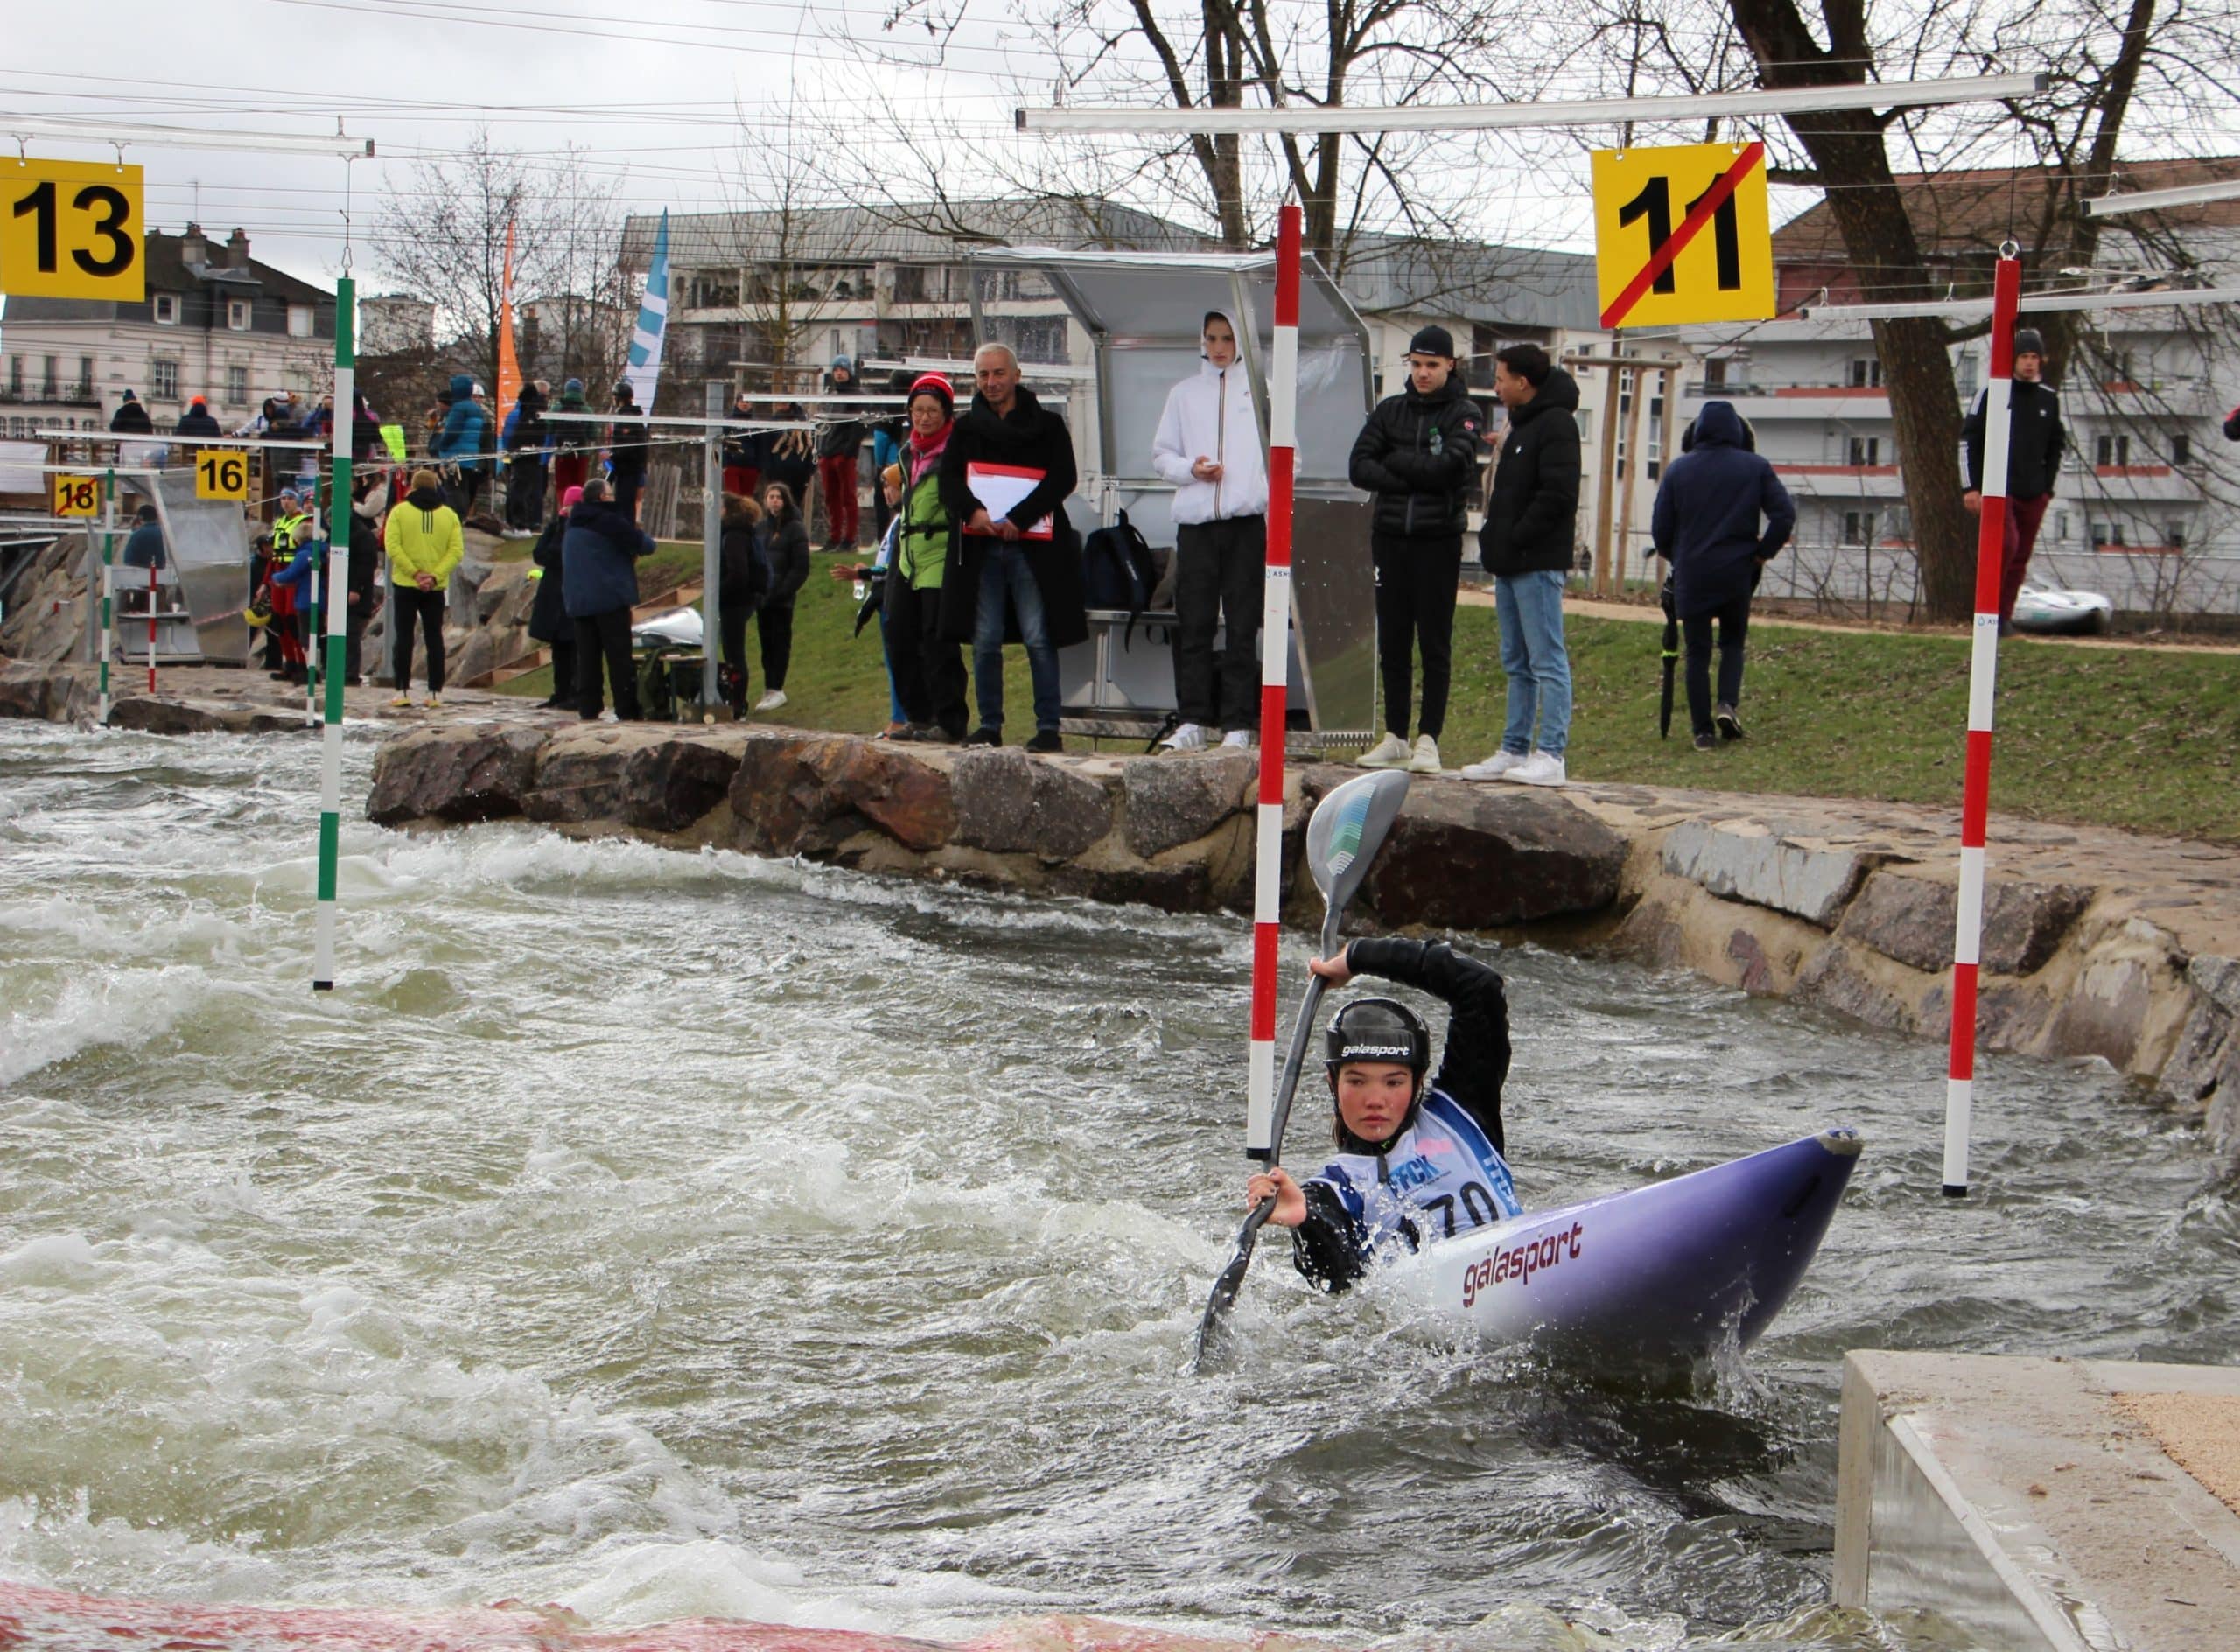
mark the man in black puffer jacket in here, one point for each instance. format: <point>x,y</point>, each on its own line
<point>1418,454</point>
<point>2033,460</point>
<point>1527,544</point>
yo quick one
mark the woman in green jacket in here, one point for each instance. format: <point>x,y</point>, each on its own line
<point>929,672</point>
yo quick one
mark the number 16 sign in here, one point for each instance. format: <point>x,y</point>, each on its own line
<point>1683,235</point>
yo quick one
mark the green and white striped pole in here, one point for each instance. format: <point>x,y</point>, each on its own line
<point>108,582</point>
<point>337,584</point>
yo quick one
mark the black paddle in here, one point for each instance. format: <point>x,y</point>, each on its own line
<point>1672,659</point>
<point>1343,834</point>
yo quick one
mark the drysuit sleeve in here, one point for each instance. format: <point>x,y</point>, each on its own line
<point>1475,1063</point>
<point>1331,1247</point>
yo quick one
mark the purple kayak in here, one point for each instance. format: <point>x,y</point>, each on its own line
<point>1659,1275</point>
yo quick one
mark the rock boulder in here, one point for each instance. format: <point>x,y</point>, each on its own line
<point>1910,918</point>
<point>1465,857</point>
<point>1178,801</point>
<point>468,773</point>
<point>668,786</point>
<point>809,794</point>
<point>1010,803</point>
<point>1804,877</point>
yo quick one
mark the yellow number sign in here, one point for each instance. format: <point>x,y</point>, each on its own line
<point>1683,235</point>
<point>77,496</point>
<point>71,229</point>
<point>221,474</point>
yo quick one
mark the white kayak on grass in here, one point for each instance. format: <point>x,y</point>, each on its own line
<point>1658,1276</point>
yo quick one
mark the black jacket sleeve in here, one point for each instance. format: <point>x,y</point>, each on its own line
<point>789,562</point>
<point>1475,1064</point>
<point>1367,469</point>
<point>1554,503</point>
<point>1330,1247</point>
<point>1054,458</point>
<point>1971,438</point>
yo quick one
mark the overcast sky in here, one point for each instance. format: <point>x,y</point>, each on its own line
<point>655,89</point>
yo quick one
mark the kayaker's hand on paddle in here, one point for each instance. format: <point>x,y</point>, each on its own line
<point>1335,968</point>
<point>1291,1203</point>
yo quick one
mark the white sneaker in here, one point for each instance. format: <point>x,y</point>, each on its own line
<point>1425,760</point>
<point>770,701</point>
<point>1240,738</point>
<point>1188,738</point>
<point>1391,751</point>
<point>1542,769</point>
<point>1494,767</point>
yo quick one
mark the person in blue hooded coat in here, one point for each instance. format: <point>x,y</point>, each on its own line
<point>1721,515</point>
<point>458,444</point>
<point>599,583</point>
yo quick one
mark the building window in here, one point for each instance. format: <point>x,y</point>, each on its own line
<point>1858,528</point>
<point>163,375</point>
<point>1866,451</point>
<point>2173,534</point>
<point>85,376</point>
<point>15,376</point>
<point>2181,448</point>
<point>2060,527</point>
<point>237,314</point>
<point>2107,535</point>
<point>167,309</point>
<point>237,387</point>
<point>299,321</point>
<point>1867,374</point>
<point>2112,450</point>
<point>1715,373</point>
<point>1963,375</point>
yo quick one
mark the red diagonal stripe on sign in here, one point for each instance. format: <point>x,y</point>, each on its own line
<point>1661,260</point>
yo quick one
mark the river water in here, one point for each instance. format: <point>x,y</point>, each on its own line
<point>666,1234</point>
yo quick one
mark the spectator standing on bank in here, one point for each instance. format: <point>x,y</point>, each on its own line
<point>1027,587</point>
<point>742,460</point>
<point>1208,446</point>
<point>1706,524</point>
<point>1418,454</point>
<point>365,443</point>
<point>629,451</point>
<point>572,444</point>
<point>525,472</point>
<point>744,582</point>
<point>888,435</point>
<point>1527,544</point>
<point>782,540</point>
<point>459,446</point>
<point>599,554</point>
<point>424,543</point>
<point>368,503</point>
<point>839,438</point>
<point>131,417</point>
<point>196,421</point>
<point>2034,459</point>
<point>548,610</point>
<point>923,586</point>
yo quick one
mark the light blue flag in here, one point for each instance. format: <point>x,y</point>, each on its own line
<point>645,369</point>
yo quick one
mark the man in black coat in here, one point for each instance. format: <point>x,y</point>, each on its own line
<point>525,472</point>
<point>196,421</point>
<point>131,417</point>
<point>1527,544</point>
<point>1037,580</point>
<point>630,446</point>
<point>1418,454</point>
<point>2034,457</point>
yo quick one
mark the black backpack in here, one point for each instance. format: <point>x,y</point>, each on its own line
<point>1119,570</point>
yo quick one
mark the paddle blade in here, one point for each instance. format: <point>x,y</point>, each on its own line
<point>1213,1330</point>
<point>1348,828</point>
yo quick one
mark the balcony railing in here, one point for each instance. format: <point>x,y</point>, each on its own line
<point>50,393</point>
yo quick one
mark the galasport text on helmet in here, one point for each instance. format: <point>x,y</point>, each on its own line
<point>1377,1029</point>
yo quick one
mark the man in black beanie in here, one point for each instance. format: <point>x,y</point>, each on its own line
<point>2033,456</point>
<point>1418,455</point>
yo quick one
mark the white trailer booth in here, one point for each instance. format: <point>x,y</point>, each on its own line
<point>1143,312</point>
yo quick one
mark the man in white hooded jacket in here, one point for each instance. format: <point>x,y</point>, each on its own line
<point>1208,446</point>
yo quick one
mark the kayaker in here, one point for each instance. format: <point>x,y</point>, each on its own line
<point>1416,1161</point>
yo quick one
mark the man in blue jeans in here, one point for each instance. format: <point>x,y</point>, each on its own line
<point>1006,441</point>
<point>1532,518</point>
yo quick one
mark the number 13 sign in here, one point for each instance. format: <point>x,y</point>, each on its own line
<point>1683,235</point>
<point>71,229</point>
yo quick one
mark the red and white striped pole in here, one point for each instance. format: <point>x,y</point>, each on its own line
<point>1982,678</point>
<point>1275,659</point>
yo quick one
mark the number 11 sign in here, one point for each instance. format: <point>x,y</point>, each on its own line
<point>1683,235</point>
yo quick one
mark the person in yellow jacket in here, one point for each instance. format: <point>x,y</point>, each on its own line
<point>424,543</point>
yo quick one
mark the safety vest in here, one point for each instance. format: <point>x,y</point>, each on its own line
<point>284,529</point>
<point>921,555</point>
<point>1443,1176</point>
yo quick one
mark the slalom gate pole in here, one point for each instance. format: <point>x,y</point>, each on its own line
<point>1982,678</point>
<point>711,552</point>
<point>151,629</point>
<point>312,593</point>
<point>1274,660</point>
<point>338,579</point>
<point>109,581</point>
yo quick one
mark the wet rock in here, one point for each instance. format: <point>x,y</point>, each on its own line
<point>668,786</point>
<point>26,690</point>
<point>1178,801</point>
<point>1182,885</point>
<point>1479,857</point>
<point>1011,803</point>
<point>1845,981</point>
<point>808,795</point>
<point>2106,1012</point>
<point>471,772</point>
<point>149,716</point>
<point>581,773</point>
<point>1910,918</point>
<point>1747,860</point>
<point>2207,1057</point>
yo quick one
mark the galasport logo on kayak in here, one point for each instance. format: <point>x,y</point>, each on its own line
<point>1520,1261</point>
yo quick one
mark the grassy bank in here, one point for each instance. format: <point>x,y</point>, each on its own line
<point>2145,740</point>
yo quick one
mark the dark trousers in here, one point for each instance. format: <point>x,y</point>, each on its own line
<point>835,478</point>
<point>1218,578</point>
<point>928,673</point>
<point>467,490</point>
<point>627,486</point>
<point>882,513</point>
<point>525,494</point>
<point>1733,619</point>
<point>563,665</point>
<point>2024,517</point>
<point>409,603</point>
<point>605,638</point>
<point>1416,583</point>
<point>774,625</point>
<point>731,622</point>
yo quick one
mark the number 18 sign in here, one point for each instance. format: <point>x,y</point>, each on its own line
<point>1683,235</point>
